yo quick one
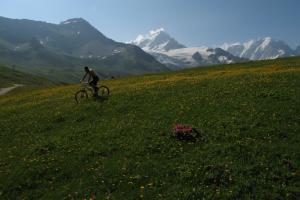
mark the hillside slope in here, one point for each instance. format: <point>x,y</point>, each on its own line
<point>9,76</point>
<point>52,148</point>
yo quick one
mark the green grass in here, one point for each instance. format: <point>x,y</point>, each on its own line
<point>51,148</point>
<point>9,77</point>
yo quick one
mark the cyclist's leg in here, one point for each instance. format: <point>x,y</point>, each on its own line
<point>96,79</point>
<point>93,83</point>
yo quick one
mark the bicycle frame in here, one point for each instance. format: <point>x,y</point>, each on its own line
<point>86,86</point>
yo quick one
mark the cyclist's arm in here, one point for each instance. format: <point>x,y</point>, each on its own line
<point>84,77</point>
<point>90,77</point>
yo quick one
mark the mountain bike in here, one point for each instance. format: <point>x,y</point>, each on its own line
<point>87,91</point>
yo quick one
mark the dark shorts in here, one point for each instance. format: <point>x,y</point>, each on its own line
<point>94,81</point>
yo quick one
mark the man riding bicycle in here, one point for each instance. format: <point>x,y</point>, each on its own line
<point>92,79</point>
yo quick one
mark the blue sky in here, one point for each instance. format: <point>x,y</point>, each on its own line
<point>191,22</point>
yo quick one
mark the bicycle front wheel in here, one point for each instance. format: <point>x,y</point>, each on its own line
<point>80,96</point>
<point>103,91</point>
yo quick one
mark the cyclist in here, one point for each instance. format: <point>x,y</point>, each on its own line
<point>92,79</point>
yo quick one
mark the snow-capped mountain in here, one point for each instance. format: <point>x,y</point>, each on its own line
<point>259,49</point>
<point>195,56</point>
<point>176,56</point>
<point>157,40</point>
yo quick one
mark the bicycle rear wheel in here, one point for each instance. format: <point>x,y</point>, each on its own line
<point>103,91</point>
<point>80,96</point>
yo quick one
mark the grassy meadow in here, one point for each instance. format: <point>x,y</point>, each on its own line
<point>10,76</point>
<point>52,148</point>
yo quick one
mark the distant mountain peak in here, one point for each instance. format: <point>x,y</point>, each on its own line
<point>138,39</point>
<point>157,40</point>
<point>157,32</point>
<point>175,55</point>
<point>259,49</point>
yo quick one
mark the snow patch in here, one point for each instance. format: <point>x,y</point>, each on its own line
<point>226,46</point>
<point>266,42</point>
<point>67,22</point>
<point>116,51</point>
<point>281,52</point>
<point>156,32</point>
<point>72,21</point>
<point>139,39</point>
<point>156,41</point>
<point>248,44</point>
